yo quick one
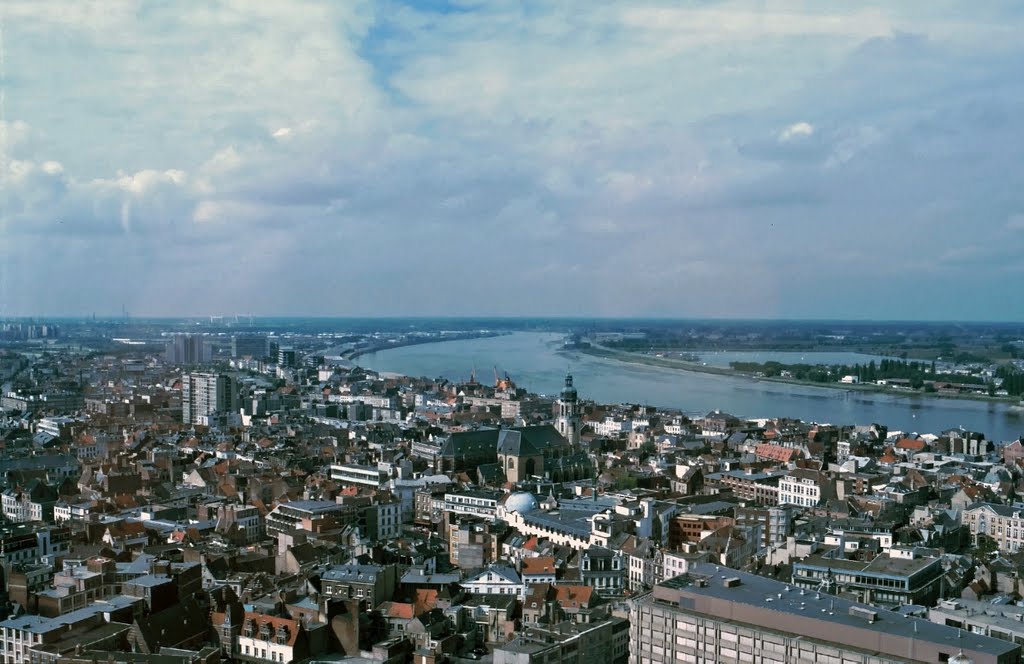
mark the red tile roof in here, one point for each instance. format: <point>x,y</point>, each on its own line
<point>426,600</point>
<point>397,610</point>
<point>775,452</point>
<point>570,596</point>
<point>539,565</point>
<point>258,619</point>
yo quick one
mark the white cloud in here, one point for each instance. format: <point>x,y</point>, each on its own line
<point>52,168</point>
<point>796,130</point>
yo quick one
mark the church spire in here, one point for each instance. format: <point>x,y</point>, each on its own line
<point>568,423</point>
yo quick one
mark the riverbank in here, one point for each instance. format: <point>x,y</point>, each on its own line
<point>353,354</point>
<point>697,367</point>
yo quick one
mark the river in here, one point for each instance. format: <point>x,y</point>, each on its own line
<point>537,362</point>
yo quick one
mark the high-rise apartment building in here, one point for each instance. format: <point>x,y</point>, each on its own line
<point>188,349</point>
<point>716,614</point>
<point>205,394</point>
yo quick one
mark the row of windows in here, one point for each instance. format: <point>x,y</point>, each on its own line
<point>262,654</point>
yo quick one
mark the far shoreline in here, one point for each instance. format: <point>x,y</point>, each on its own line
<point>628,357</point>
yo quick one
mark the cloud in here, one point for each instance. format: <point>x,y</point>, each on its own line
<point>796,131</point>
<point>611,159</point>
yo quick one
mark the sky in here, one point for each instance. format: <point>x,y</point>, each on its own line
<point>771,159</point>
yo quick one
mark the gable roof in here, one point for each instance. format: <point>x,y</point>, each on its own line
<point>126,529</point>
<point>400,610</point>
<point>462,443</point>
<point>775,452</point>
<point>426,599</point>
<point>573,596</point>
<point>291,627</point>
<point>529,441</point>
<point>174,625</point>
<point>506,573</point>
<point>539,565</point>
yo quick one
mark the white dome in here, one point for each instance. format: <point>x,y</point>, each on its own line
<point>521,502</point>
<point>960,658</point>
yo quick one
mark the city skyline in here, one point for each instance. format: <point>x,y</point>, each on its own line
<point>727,160</point>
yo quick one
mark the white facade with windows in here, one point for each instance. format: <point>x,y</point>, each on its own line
<point>268,638</point>
<point>370,477</point>
<point>1004,524</point>
<point>496,580</point>
<point>801,491</point>
<point>472,502</point>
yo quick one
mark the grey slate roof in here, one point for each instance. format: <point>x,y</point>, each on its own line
<point>529,441</point>
<point>462,443</point>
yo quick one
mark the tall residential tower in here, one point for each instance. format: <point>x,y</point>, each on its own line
<point>205,394</point>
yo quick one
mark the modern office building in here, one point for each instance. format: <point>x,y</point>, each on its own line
<point>205,394</point>
<point>761,488</point>
<point>249,345</point>
<point>308,515</point>
<point>900,576</point>
<point>603,642</point>
<point>1000,621</point>
<point>369,477</point>
<point>716,614</point>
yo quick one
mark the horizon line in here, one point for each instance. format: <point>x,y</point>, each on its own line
<point>225,318</point>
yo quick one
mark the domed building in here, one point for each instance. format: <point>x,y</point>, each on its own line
<point>521,502</point>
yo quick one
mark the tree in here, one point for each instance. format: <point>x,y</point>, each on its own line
<point>646,450</point>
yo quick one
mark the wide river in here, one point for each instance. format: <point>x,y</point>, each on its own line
<point>538,362</point>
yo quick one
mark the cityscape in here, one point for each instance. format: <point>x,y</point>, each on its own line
<point>246,490</point>
<point>511,331</point>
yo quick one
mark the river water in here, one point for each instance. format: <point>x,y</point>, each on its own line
<point>537,362</point>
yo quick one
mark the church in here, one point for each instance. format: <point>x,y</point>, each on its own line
<point>546,451</point>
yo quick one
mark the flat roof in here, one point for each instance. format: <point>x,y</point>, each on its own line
<point>311,505</point>
<point>753,477</point>
<point>573,522</point>
<point>768,597</point>
<point>882,564</point>
<point>42,625</point>
<point>149,580</point>
<point>352,573</point>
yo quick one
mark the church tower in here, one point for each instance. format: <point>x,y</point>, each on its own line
<point>568,423</point>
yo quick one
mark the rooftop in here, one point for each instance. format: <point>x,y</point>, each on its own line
<point>722,592</point>
<point>882,564</point>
